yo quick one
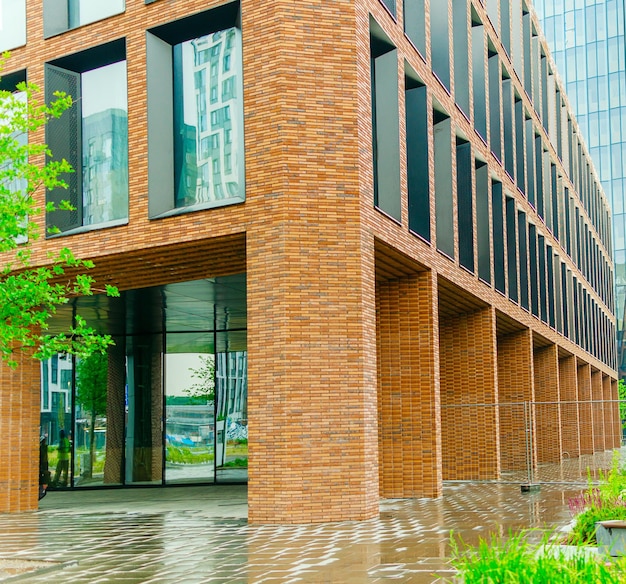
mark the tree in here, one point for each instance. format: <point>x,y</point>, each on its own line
<point>91,394</point>
<point>621,395</point>
<point>30,295</point>
<point>204,388</point>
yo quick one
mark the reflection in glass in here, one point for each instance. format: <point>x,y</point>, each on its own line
<point>232,415</point>
<point>56,403</point>
<point>12,24</point>
<point>90,431</point>
<point>86,11</point>
<point>208,119</point>
<point>189,417</point>
<point>105,144</point>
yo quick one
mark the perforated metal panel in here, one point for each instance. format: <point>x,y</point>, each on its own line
<point>63,136</point>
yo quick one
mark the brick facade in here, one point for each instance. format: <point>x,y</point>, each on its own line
<point>377,365</point>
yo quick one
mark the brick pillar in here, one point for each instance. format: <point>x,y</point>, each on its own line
<point>515,388</point>
<point>19,428</point>
<point>547,409</point>
<point>568,386</point>
<point>312,395</point>
<point>617,420</point>
<point>597,408</point>
<point>409,415</point>
<point>610,428</point>
<point>470,442</point>
<point>585,410</point>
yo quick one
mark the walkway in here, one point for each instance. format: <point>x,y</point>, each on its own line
<point>201,535</point>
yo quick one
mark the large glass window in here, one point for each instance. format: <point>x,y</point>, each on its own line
<point>62,15</point>
<point>92,136</point>
<point>195,113</point>
<point>208,116</point>
<point>12,24</point>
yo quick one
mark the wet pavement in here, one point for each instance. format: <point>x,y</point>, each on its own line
<point>200,534</point>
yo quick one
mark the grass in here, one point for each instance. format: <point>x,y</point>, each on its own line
<point>516,561</point>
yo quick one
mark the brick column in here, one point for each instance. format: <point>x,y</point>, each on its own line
<point>409,415</point>
<point>617,420</point>
<point>470,442</point>
<point>597,407</point>
<point>19,428</point>
<point>585,411</point>
<point>610,427</point>
<point>547,409</point>
<point>515,387</point>
<point>568,385</point>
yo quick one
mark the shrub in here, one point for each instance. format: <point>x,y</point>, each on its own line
<point>515,561</point>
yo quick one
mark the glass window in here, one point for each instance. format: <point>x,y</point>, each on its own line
<point>105,144</point>
<point>93,136</point>
<point>62,15</point>
<point>12,24</point>
<point>192,187</point>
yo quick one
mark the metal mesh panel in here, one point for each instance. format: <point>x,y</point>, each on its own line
<point>63,136</point>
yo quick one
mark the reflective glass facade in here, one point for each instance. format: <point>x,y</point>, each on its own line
<point>12,24</point>
<point>208,119</point>
<point>586,39</point>
<point>105,144</point>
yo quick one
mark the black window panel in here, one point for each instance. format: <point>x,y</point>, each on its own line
<point>495,140</point>
<point>565,300</point>
<point>483,230</point>
<point>444,203</point>
<point>63,137</point>
<point>464,203</point>
<point>417,158</point>
<point>541,256</point>
<point>385,126</point>
<point>197,25</point>
<point>478,80</point>
<point>497,206</point>
<point>460,27</point>
<point>9,81</point>
<point>550,299</point>
<point>391,6</point>
<point>507,117</point>
<point>415,23</point>
<point>511,248</point>
<point>523,258</point>
<point>520,166</point>
<point>440,44</point>
<point>529,135</point>
<point>534,278</point>
<point>539,175</point>
<point>94,57</point>
<point>558,293</point>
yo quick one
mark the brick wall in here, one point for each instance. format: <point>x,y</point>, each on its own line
<point>409,427</point>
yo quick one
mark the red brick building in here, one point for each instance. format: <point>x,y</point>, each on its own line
<point>365,234</point>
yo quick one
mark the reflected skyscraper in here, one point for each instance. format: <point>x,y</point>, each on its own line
<point>586,38</point>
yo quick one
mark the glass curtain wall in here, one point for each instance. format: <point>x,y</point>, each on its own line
<point>110,408</point>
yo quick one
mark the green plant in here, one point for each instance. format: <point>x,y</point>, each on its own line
<point>584,530</point>
<point>515,561</point>
<point>237,463</point>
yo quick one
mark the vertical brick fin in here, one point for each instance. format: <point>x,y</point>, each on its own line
<point>19,428</point>
<point>409,431</point>
<point>597,408</point>
<point>570,423</point>
<point>515,388</point>
<point>585,408</point>
<point>470,441</point>
<point>547,410</point>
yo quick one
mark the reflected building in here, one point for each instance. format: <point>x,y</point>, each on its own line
<point>586,40</point>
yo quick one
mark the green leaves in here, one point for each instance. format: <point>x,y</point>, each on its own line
<point>30,295</point>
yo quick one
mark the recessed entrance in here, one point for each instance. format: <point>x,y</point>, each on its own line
<point>168,403</point>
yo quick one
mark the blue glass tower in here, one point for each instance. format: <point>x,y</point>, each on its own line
<point>586,38</point>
